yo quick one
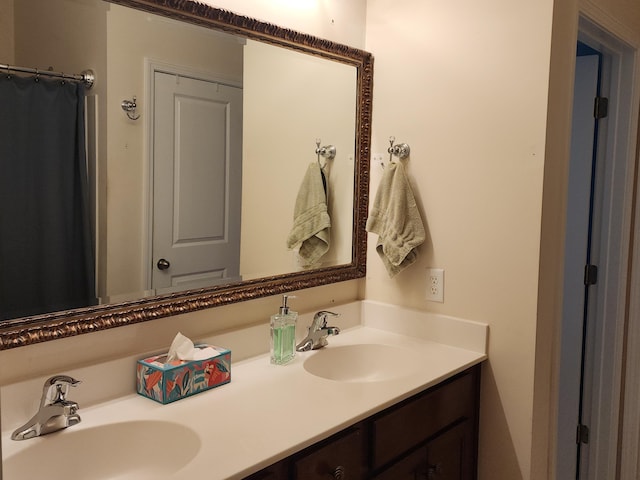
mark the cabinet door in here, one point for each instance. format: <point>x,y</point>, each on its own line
<point>413,467</point>
<point>450,456</point>
<point>402,428</point>
<point>342,458</point>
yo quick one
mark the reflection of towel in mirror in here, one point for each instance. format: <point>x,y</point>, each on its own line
<point>311,220</point>
<point>396,219</point>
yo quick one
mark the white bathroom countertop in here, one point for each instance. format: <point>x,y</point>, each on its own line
<point>268,412</point>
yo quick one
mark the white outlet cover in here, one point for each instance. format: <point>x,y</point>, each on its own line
<point>435,285</point>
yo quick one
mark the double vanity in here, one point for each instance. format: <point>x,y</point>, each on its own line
<point>394,396</point>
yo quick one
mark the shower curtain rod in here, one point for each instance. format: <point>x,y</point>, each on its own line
<point>87,76</point>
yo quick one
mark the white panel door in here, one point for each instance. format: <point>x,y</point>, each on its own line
<point>197,182</point>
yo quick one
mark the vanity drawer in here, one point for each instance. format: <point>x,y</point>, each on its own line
<point>419,418</point>
<point>345,453</point>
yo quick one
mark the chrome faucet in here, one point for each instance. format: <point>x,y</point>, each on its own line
<point>318,332</point>
<point>55,412</point>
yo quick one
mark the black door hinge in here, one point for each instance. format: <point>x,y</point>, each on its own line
<point>600,107</point>
<point>582,434</point>
<point>590,274</point>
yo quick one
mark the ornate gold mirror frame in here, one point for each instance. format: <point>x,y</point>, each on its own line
<point>30,330</point>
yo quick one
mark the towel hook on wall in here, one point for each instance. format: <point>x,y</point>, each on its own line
<point>328,151</point>
<point>400,150</point>
<point>129,107</point>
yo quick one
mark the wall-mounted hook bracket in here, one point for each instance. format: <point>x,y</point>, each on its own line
<point>129,107</point>
<point>328,151</point>
<point>400,150</point>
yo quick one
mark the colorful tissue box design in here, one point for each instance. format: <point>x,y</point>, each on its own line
<point>166,383</point>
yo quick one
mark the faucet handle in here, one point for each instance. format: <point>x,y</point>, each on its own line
<point>320,318</point>
<point>61,384</point>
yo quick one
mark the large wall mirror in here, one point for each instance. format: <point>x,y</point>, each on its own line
<point>260,97</point>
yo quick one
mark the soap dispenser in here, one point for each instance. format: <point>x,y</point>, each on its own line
<point>283,334</point>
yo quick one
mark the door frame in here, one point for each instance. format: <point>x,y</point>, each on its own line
<point>612,240</point>
<point>151,66</point>
<point>629,437</point>
<point>576,253</point>
<point>606,308</point>
<point>629,457</point>
<point>613,346</point>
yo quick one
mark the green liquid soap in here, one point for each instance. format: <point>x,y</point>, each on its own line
<point>283,334</point>
<point>284,348</point>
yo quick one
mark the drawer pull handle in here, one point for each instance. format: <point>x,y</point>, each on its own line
<point>339,473</point>
<point>434,471</point>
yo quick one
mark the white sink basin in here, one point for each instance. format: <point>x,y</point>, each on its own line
<point>128,450</point>
<point>362,363</point>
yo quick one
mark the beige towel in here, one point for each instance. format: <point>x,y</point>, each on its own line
<point>396,219</point>
<point>311,220</point>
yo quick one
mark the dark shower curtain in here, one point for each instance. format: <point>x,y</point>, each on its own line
<point>46,249</point>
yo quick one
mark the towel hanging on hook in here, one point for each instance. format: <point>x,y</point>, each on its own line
<point>311,221</point>
<point>395,216</point>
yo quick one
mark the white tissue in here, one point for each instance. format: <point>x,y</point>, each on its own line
<point>183,349</point>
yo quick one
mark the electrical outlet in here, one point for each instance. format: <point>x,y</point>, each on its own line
<point>435,285</point>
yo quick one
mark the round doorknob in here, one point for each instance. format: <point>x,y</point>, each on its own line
<point>163,264</point>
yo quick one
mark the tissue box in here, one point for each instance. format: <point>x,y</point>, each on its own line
<point>166,383</point>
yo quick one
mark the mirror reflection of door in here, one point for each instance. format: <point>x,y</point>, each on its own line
<point>197,183</point>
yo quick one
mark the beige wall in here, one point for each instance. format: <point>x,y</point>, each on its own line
<point>42,40</point>
<point>6,32</point>
<point>488,162</point>
<point>465,85</point>
<point>290,99</point>
<point>337,20</point>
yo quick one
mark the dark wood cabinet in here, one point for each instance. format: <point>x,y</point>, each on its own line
<point>408,468</point>
<point>430,436</point>
<point>402,427</point>
<point>343,456</point>
<point>451,455</point>
<point>277,471</point>
<point>448,456</point>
